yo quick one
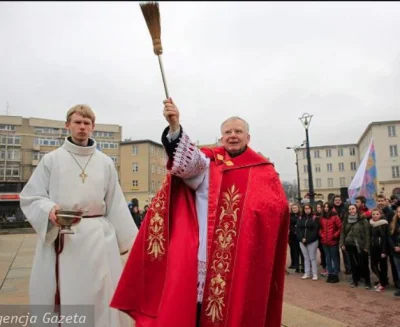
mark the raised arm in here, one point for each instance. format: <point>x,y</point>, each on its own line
<point>185,160</point>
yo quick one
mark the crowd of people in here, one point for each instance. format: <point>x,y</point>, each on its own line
<point>366,239</point>
<point>136,213</point>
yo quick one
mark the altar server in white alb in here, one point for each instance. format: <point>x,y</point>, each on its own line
<point>81,268</point>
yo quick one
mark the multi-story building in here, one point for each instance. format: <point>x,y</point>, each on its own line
<point>143,169</point>
<point>386,136</point>
<point>24,141</point>
<point>334,166</point>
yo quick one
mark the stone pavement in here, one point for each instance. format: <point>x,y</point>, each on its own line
<point>307,303</point>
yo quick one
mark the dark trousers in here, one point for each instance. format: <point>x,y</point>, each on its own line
<point>198,314</point>
<point>395,274</point>
<point>322,253</point>
<point>332,259</point>
<point>295,252</point>
<point>379,266</point>
<point>359,264</point>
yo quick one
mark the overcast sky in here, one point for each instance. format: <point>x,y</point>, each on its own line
<point>267,62</point>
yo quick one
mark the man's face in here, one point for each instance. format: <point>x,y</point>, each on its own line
<point>234,136</point>
<point>79,127</point>
<point>337,201</point>
<point>358,203</point>
<point>381,202</point>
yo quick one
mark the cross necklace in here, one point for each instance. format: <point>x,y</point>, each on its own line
<point>82,175</point>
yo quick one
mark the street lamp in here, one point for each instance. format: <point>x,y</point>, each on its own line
<point>295,148</point>
<point>306,120</point>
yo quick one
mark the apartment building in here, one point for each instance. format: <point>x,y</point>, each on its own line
<point>386,136</point>
<point>142,169</point>
<point>334,166</point>
<point>24,141</point>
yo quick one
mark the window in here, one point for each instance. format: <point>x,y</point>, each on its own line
<point>135,150</point>
<point>316,154</point>
<point>107,145</point>
<point>153,150</point>
<point>305,169</point>
<point>318,168</point>
<point>47,130</point>
<point>352,151</point>
<point>11,171</point>
<point>38,155</point>
<point>306,183</point>
<point>330,182</point>
<point>135,167</point>
<point>99,134</point>
<point>153,169</point>
<point>318,182</point>
<point>353,166</point>
<point>328,153</point>
<point>392,131</point>
<point>4,127</point>
<point>395,171</point>
<point>47,141</point>
<point>329,167</point>
<point>153,186</point>
<point>342,181</point>
<point>11,155</point>
<point>393,150</point>
<point>340,152</point>
<point>135,183</point>
<point>114,158</point>
<point>341,166</point>
<point>304,154</point>
<point>10,140</point>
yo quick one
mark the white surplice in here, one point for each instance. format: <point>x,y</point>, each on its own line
<point>90,263</point>
<point>194,168</point>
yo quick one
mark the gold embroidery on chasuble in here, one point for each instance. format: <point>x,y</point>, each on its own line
<point>226,162</point>
<point>226,235</point>
<point>156,237</point>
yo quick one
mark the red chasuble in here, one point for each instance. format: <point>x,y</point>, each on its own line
<point>248,223</point>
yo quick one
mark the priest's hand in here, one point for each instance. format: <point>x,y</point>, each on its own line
<point>171,114</point>
<point>52,215</point>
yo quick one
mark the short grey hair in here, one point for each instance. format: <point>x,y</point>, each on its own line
<point>246,124</point>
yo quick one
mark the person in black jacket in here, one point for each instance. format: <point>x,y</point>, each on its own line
<point>341,211</point>
<point>379,248</point>
<point>395,202</point>
<point>388,214</point>
<point>394,242</point>
<point>307,231</point>
<point>137,217</point>
<point>295,253</point>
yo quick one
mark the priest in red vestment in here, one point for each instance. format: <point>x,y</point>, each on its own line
<point>211,250</point>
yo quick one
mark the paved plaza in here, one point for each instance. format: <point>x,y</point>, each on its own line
<point>307,303</point>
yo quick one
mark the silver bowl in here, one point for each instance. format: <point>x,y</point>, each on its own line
<point>68,218</point>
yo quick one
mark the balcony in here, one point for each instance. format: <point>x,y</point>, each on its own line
<point>36,147</point>
<point>35,162</point>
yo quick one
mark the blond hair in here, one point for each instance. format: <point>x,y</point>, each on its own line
<point>83,110</point>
